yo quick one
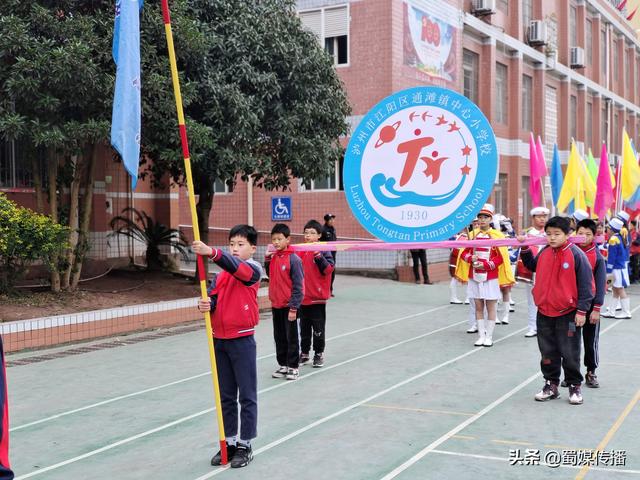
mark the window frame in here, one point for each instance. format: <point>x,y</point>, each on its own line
<point>312,188</point>
<point>322,37</point>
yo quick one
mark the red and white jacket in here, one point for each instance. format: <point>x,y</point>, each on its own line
<point>523,274</point>
<point>564,279</point>
<point>318,267</point>
<point>489,259</point>
<point>234,296</point>
<point>286,279</point>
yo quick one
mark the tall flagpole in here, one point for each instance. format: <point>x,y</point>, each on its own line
<point>194,221</point>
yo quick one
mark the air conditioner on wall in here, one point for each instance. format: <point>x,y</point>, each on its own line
<point>576,59</point>
<point>537,33</point>
<point>483,7</point>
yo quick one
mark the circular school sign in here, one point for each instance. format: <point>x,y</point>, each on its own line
<point>420,165</point>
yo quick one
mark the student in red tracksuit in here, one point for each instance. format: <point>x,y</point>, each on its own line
<point>286,291</point>
<point>233,297</point>
<point>318,267</point>
<point>591,328</point>
<point>563,294</point>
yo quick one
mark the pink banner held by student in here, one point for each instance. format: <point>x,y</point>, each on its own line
<point>541,171</point>
<point>604,192</point>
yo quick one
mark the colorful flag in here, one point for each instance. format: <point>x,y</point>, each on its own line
<point>604,195</point>
<point>630,175</point>
<point>577,185</point>
<point>592,167</point>
<point>535,173</point>
<point>126,119</point>
<point>634,201</point>
<point>556,176</point>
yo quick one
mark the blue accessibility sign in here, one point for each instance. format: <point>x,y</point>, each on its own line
<point>280,209</point>
<point>420,165</point>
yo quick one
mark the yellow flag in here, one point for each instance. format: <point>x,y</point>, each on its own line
<point>630,175</point>
<point>578,185</point>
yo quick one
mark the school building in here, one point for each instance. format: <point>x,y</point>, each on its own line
<point>561,69</point>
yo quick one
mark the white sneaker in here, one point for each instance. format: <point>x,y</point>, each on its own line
<point>466,301</point>
<point>455,301</point>
<point>622,315</point>
<point>531,333</point>
<point>292,374</point>
<point>280,372</point>
<point>473,329</point>
<point>607,313</point>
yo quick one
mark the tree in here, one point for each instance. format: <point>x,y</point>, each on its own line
<point>262,99</point>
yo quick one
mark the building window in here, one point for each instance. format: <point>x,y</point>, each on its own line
<point>603,52</point>
<point>588,141</point>
<point>14,173</point>
<point>330,182</point>
<point>221,187</point>
<point>502,100</point>
<point>573,116</point>
<point>331,26</point>
<point>604,125</point>
<point>615,60</point>
<point>501,194</point>
<point>525,198</point>
<point>589,42</point>
<point>470,61</point>
<point>527,103</point>
<point>573,18</point>
<point>503,6</point>
<point>527,14</point>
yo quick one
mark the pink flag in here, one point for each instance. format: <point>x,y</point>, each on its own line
<point>622,4</point>
<point>630,17</point>
<point>604,192</point>
<point>542,164</point>
<point>534,176</point>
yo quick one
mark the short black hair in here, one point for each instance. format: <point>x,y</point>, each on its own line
<point>558,222</point>
<point>587,223</point>
<point>281,228</point>
<point>244,231</point>
<point>315,225</point>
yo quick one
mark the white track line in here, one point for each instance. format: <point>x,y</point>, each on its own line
<point>542,464</point>
<point>209,410</point>
<point>187,379</point>
<point>361,402</point>
<point>432,446</point>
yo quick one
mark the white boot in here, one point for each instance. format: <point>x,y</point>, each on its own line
<point>626,308</point>
<point>473,325</point>
<point>453,298</point>
<point>501,307</point>
<point>618,305</point>
<point>512,304</point>
<point>481,333</point>
<point>488,338</point>
<point>505,318</point>
<point>606,310</point>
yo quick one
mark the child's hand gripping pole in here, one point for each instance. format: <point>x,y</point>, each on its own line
<point>194,221</point>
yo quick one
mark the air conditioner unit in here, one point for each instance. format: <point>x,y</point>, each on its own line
<point>576,57</point>
<point>483,7</point>
<point>537,33</point>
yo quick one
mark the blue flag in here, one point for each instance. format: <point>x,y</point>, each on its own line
<point>126,117</point>
<point>556,175</point>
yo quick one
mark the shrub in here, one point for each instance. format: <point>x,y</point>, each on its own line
<point>27,237</point>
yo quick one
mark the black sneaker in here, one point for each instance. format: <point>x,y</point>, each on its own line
<point>217,458</point>
<point>304,358</point>
<point>591,380</point>
<point>318,360</point>
<point>549,392</point>
<point>564,384</point>
<point>242,456</point>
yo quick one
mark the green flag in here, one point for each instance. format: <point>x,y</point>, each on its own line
<point>592,167</point>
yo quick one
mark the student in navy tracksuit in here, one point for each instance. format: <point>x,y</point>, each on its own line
<point>318,269</point>
<point>234,301</point>
<point>286,291</point>
<point>563,295</point>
